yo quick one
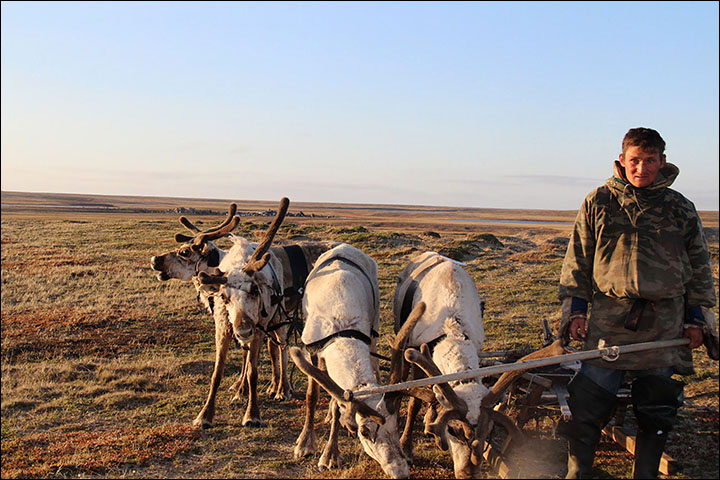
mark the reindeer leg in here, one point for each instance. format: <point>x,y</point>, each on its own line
<point>252,414</point>
<point>329,414</point>
<point>330,457</point>
<point>306,443</point>
<point>406,441</point>
<point>430,416</point>
<point>223,336</point>
<point>284,391</point>
<point>273,353</point>
<point>240,385</point>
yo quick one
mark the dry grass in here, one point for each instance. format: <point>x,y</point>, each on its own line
<point>104,367</point>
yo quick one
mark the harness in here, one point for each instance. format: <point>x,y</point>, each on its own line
<point>320,344</point>
<point>412,288</point>
<point>410,294</point>
<point>298,267</point>
<point>349,262</point>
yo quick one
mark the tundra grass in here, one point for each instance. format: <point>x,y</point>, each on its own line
<point>104,367</point>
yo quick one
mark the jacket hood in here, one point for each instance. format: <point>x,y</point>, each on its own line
<point>635,201</point>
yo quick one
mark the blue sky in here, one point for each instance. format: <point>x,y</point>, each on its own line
<point>479,104</point>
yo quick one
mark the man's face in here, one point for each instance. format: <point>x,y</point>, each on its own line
<point>641,167</point>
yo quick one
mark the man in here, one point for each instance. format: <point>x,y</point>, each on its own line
<point>638,255</point>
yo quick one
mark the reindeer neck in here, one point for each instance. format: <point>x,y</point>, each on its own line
<point>453,354</point>
<point>347,361</point>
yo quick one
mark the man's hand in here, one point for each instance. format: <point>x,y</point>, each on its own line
<point>577,326</point>
<point>695,334</point>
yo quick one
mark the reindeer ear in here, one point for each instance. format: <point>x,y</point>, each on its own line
<point>369,430</point>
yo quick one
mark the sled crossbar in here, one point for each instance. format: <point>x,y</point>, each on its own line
<point>608,354</point>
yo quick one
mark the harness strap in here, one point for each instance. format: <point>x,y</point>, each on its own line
<point>410,292</point>
<point>276,282</point>
<point>431,344</point>
<point>272,328</point>
<point>298,267</point>
<point>267,334</point>
<point>344,334</point>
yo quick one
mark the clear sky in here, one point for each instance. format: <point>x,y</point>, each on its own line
<point>479,104</point>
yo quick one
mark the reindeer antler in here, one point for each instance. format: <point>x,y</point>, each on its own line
<point>215,279</point>
<point>398,346</point>
<point>396,358</point>
<point>507,378</point>
<point>180,238</point>
<point>454,408</point>
<point>335,391</point>
<point>259,258</point>
<point>423,360</point>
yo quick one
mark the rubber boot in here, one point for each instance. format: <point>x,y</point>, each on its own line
<point>655,403</point>
<point>648,451</point>
<point>592,407</point>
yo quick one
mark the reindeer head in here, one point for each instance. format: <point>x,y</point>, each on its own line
<point>244,284</point>
<point>197,253</point>
<point>375,419</point>
<point>454,428</point>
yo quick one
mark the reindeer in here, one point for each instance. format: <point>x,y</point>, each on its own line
<point>341,308</point>
<point>199,254</point>
<point>450,334</point>
<point>248,287</point>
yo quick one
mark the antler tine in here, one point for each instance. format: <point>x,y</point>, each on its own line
<point>488,417</point>
<point>180,238</point>
<point>267,239</point>
<point>422,394</point>
<point>215,234</point>
<point>231,213</point>
<point>507,378</point>
<point>331,387</point>
<point>401,341</point>
<point>423,360</point>
<point>206,279</point>
<point>320,376</point>
<point>437,428</point>
<point>188,224</point>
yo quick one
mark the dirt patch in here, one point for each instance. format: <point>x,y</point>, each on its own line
<point>70,333</point>
<point>92,452</point>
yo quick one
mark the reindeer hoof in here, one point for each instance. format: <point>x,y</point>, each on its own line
<point>254,423</point>
<point>305,445</point>
<point>329,460</point>
<point>202,423</point>
<point>283,396</point>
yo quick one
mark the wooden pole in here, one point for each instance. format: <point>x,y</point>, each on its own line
<point>610,354</point>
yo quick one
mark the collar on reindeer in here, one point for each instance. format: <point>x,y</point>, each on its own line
<point>320,344</point>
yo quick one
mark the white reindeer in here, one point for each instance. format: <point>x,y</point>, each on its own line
<point>450,334</point>
<point>341,310</point>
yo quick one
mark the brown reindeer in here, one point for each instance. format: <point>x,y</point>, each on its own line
<point>198,254</point>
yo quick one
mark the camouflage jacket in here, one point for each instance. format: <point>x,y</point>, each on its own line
<point>638,243</point>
